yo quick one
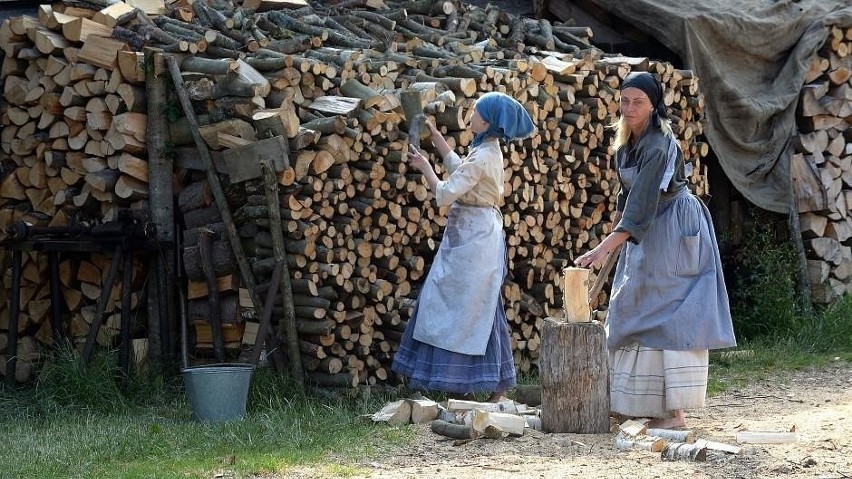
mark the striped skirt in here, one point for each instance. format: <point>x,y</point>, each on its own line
<point>430,368</point>
<point>647,382</point>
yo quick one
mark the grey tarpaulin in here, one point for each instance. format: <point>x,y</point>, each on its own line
<point>751,57</point>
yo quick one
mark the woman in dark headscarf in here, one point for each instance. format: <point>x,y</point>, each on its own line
<point>669,305</point>
<point>457,340</point>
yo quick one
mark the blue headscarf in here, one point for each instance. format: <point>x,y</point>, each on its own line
<point>506,118</point>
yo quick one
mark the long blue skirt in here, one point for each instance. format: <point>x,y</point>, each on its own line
<point>430,368</point>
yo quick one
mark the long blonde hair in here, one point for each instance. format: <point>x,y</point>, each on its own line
<point>622,131</point>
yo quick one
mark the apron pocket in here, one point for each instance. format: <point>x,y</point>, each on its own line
<point>689,255</point>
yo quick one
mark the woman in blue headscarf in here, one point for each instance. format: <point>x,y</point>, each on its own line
<point>669,305</point>
<point>457,340</point>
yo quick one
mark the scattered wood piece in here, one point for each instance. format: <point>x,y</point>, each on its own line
<point>765,437</point>
<point>533,422</point>
<point>633,428</point>
<point>455,431</point>
<point>510,423</point>
<point>653,444</point>
<point>507,406</point>
<point>721,446</point>
<point>672,435</point>
<point>423,410</point>
<point>394,413</point>
<point>680,451</point>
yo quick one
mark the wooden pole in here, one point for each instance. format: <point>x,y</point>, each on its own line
<point>215,185</point>
<point>161,304</point>
<point>803,285</point>
<point>289,321</point>
<point>205,257</point>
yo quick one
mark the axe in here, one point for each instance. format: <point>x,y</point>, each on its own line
<point>603,274</point>
<point>415,126</point>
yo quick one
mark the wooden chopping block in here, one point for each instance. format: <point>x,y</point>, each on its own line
<point>574,372</point>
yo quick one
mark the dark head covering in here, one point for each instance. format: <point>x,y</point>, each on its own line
<point>506,118</point>
<point>651,86</point>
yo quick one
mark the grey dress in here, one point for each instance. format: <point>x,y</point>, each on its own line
<point>669,291</point>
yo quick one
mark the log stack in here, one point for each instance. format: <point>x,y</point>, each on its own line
<point>822,167</point>
<point>338,83</point>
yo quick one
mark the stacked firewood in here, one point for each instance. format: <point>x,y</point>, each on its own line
<point>822,167</point>
<point>339,83</point>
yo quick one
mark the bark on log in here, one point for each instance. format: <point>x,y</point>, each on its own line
<point>574,372</point>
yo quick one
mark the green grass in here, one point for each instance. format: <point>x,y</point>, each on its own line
<point>89,424</point>
<point>58,430</point>
<point>824,337</point>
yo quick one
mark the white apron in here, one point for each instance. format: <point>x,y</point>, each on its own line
<point>458,302</point>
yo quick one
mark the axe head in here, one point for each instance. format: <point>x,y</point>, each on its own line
<point>415,127</point>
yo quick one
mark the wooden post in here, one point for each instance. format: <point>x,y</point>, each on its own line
<point>215,186</point>
<point>576,295</point>
<point>574,372</point>
<point>161,305</point>
<point>205,257</point>
<point>803,286</point>
<point>288,325</point>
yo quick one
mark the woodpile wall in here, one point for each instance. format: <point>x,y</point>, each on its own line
<point>822,167</point>
<point>339,83</point>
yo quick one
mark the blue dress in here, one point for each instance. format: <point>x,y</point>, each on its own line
<point>457,339</point>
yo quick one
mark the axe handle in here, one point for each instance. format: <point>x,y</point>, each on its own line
<point>603,274</point>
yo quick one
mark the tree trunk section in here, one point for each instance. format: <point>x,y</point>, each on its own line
<point>574,374</point>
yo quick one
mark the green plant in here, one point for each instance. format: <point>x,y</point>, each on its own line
<point>764,301</point>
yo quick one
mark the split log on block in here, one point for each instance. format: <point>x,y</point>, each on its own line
<point>574,371</point>
<point>576,295</point>
<point>394,413</point>
<point>454,431</point>
<point>678,451</point>
<point>653,444</point>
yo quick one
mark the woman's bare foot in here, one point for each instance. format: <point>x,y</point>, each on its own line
<point>676,421</point>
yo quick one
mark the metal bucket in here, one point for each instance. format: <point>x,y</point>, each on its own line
<point>218,392</point>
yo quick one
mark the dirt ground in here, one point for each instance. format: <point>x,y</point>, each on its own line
<point>816,402</point>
